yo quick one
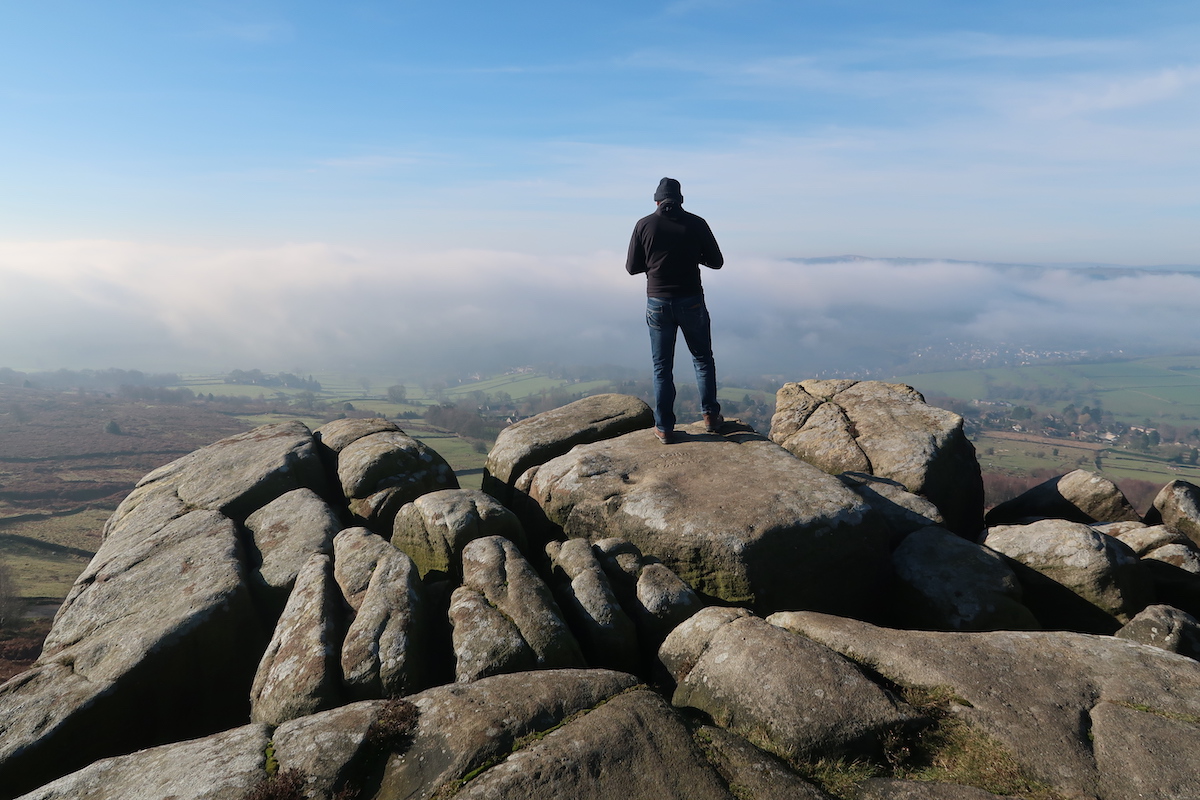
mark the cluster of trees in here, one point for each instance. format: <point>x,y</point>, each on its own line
<point>1181,434</point>
<point>464,419</point>
<point>286,380</point>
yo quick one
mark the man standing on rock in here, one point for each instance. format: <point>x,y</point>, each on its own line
<point>669,246</point>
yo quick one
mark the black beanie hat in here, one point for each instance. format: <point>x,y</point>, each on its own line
<point>668,189</point>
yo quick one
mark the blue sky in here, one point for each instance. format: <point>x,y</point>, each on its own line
<point>412,138</point>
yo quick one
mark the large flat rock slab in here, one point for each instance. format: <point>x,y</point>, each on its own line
<point>736,517</point>
<point>1091,715</point>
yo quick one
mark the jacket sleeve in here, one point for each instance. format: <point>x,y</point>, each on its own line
<point>635,262</point>
<point>710,253</point>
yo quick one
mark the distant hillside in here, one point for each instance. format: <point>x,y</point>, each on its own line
<point>1074,265</point>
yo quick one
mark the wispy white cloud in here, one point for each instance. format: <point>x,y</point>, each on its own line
<point>1116,93</point>
<point>980,45</point>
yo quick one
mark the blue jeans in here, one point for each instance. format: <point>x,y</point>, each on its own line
<point>665,316</point>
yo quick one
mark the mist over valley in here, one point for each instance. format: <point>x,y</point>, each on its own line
<point>96,305</point>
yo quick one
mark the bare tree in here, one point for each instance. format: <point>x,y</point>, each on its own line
<point>10,601</point>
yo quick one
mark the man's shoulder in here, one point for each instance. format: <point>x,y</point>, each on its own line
<point>649,219</point>
<point>679,216</point>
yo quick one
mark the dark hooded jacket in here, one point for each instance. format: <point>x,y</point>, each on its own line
<point>669,246</point>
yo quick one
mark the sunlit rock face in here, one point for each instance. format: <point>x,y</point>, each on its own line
<point>1079,496</point>
<point>539,438</point>
<point>736,517</point>
<point>887,430</point>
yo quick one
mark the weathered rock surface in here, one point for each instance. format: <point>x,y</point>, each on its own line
<point>1079,496</point>
<point>465,727</point>
<point>944,582</point>
<point>299,673</point>
<point>1072,562</point>
<point>751,773</point>
<point>155,643</point>
<point>1178,507</point>
<point>336,749</point>
<point>1171,559</point>
<point>1143,753</point>
<point>888,789</point>
<point>735,517</point>
<point>606,634</point>
<point>1182,556</point>
<point>803,701</point>
<point>385,652</point>
<point>218,767</point>
<point>494,568</point>
<point>885,430</point>
<point>485,641</point>
<point>434,529</point>
<point>540,438</point>
<point>336,434</point>
<point>285,533</point>
<point>1144,539</point>
<point>380,472</point>
<point>636,747</point>
<point>687,643</point>
<point>1049,697</point>
<point>904,511</point>
<point>159,640</point>
<point>356,554</point>
<point>1166,627</point>
<point>653,596</point>
<point>242,473</point>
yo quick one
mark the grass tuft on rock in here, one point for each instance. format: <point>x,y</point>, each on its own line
<point>393,728</point>
<point>285,785</point>
<point>838,776</point>
<point>946,750</point>
<point>951,751</point>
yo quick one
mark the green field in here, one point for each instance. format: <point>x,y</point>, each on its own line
<point>1153,392</point>
<point>47,555</point>
<point>1059,456</point>
<point>459,454</point>
<point>1162,390</point>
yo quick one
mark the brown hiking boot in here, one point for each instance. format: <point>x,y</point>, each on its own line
<point>664,437</point>
<point>713,423</point>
